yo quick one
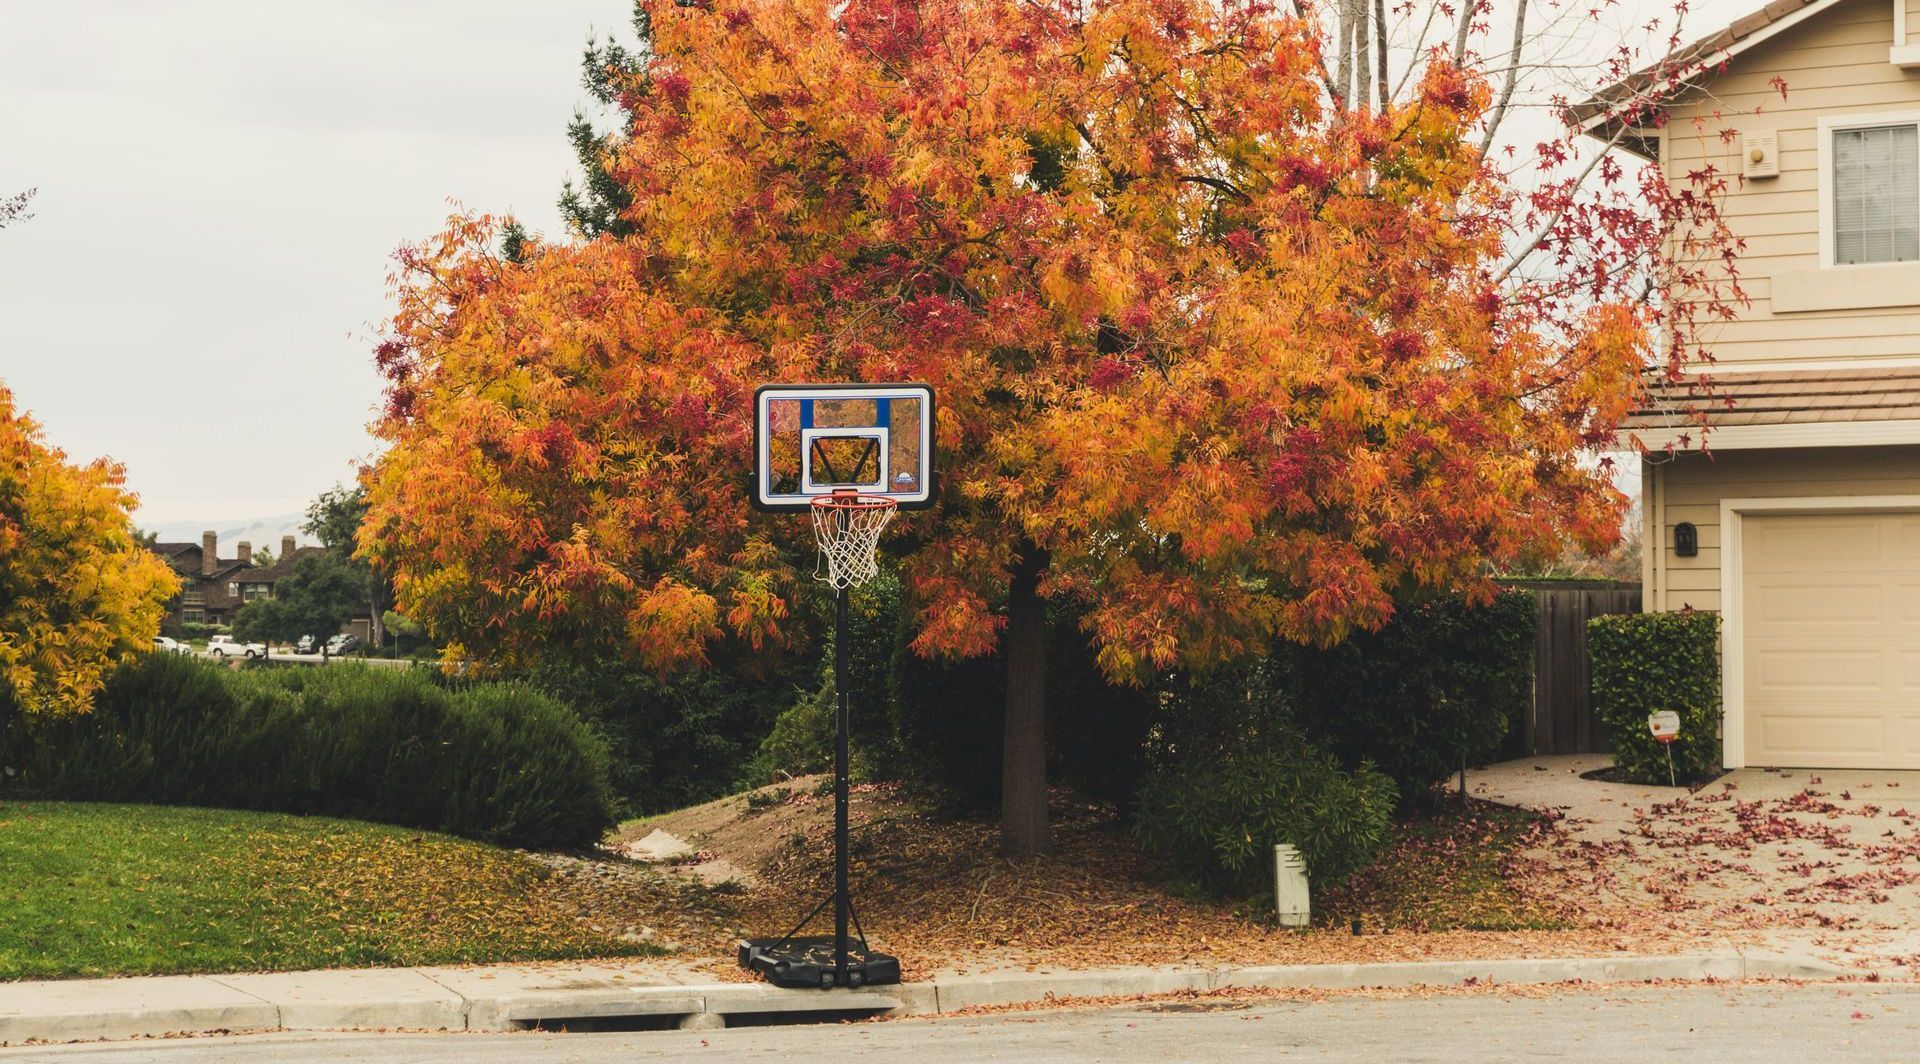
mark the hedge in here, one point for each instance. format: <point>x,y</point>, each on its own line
<point>681,739</point>
<point>497,762</point>
<point>1646,662</point>
<point>1436,689</point>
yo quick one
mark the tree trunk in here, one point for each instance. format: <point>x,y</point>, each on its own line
<point>1023,788</point>
<point>1382,94</point>
<point>1343,70</point>
<point>1362,54</point>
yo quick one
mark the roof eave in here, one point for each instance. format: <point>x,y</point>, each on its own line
<point>1598,111</point>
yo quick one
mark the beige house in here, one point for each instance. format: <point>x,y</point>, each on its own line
<point>1802,526</point>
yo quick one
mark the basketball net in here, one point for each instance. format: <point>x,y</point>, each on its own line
<point>847,527</point>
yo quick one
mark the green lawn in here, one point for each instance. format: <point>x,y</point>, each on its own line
<point>91,890</point>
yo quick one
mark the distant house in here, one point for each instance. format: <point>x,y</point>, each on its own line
<point>214,588</point>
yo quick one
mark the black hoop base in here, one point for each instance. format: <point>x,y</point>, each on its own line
<point>808,963</point>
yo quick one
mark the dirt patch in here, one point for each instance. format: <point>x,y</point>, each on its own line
<point>750,830</point>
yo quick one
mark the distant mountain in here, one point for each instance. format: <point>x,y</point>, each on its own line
<point>259,531</point>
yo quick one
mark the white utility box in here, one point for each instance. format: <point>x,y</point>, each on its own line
<point>1290,887</point>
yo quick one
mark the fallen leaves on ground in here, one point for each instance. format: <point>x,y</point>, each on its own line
<point>936,893</point>
<point>95,889</point>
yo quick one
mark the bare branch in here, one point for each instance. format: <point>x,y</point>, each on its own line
<point>1513,75</point>
<point>1533,242</point>
<point>1467,8</point>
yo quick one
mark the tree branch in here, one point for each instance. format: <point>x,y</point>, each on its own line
<point>1513,75</point>
<point>1467,8</point>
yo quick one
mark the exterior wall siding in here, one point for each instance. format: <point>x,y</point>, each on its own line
<point>1690,488</point>
<point>1833,64</point>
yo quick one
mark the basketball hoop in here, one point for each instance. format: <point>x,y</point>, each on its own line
<point>853,455</point>
<point>847,526</point>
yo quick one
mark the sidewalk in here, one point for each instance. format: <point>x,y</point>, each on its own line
<point>516,997</point>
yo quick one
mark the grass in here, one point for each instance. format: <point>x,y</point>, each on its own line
<point>1449,869</point>
<point>94,890</point>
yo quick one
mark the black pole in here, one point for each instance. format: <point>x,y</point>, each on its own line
<point>792,961</point>
<point>840,895</point>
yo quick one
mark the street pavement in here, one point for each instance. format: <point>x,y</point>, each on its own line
<point>1752,1023</point>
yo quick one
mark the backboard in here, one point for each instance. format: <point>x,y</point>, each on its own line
<point>813,439</point>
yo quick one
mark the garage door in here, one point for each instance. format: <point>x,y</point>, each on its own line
<point>1830,625</point>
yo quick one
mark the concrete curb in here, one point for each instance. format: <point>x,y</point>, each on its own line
<point>513,998</point>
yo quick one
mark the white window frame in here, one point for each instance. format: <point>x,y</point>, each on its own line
<point>1733,676</point>
<point>1828,127</point>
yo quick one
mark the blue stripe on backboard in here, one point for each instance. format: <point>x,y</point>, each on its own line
<point>806,413</point>
<point>883,414</point>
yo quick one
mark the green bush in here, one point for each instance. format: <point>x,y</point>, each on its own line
<point>1221,713</point>
<point>498,762</point>
<point>1646,662</point>
<point>681,739</point>
<point>1437,688</point>
<point>1216,821</point>
<point>801,742</point>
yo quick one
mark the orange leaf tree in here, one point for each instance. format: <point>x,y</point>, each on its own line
<point>1220,359</point>
<point>77,590</point>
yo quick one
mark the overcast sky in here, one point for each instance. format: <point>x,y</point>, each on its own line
<point>221,184</point>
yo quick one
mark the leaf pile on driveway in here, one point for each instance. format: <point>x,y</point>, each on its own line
<point>1813,859</point>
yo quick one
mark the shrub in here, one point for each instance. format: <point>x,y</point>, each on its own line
<point>1646,662</point>
<point>1096,731</point>
<point>1435,689</point>
<point>801,741</point>
<point>1219,714</point>
<point>499,762</point>
<point>1217,820</point>
<point>948,718</point>
<point>947,728</point>
<point>681,739</point>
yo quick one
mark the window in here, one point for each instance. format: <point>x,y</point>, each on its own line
<point>255,592</point>
<point>1876,194</point>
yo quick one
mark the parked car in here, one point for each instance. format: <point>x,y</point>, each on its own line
<point>308,644</point>
<point>225,646</point>
<point>165,645</point>
<point>343,644</point>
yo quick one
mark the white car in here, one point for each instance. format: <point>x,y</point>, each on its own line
<point>223,646</point>
<point>165,645</point>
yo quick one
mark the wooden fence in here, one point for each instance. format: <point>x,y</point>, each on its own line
<point>1562,720</point>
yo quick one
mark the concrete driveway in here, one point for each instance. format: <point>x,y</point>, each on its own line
<point>1821,860</point>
